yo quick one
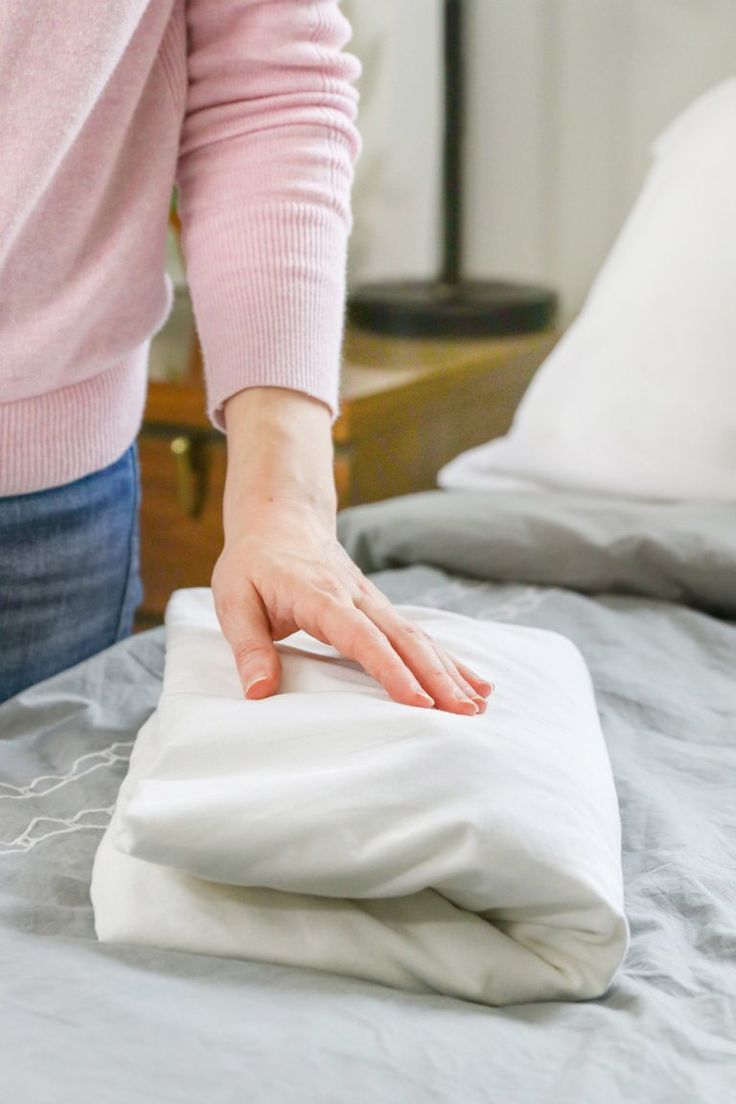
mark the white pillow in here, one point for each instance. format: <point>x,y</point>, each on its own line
<point>329,826</point>
<point>638,397</point>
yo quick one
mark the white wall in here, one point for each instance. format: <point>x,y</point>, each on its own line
<point>565,97</point>
<point>396,192</point>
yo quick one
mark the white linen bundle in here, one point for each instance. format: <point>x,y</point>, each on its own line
<point>328,826</point>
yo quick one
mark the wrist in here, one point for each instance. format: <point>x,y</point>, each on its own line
<point>279,454</point>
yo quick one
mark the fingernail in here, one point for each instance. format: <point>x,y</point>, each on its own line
<point>479,702</point>
<point>255,681</point>
<point>463,697</point>
<point>485,686</point>
<point>423,696</point>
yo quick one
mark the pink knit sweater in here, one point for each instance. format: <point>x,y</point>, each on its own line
<point>249,107</point>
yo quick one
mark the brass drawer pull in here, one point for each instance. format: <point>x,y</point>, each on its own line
<point>190,475</point>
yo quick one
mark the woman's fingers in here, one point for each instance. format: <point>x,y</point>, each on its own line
<point>345,610</point>
<point>246,629</point>
<point>483,686</point>
<point>468,689</point>
<point>353,634</point>
<point>435,671</point>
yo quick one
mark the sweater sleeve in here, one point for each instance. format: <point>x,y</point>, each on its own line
<point>264,176</point>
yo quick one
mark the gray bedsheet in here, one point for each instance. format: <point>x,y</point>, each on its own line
<point>647,595</point>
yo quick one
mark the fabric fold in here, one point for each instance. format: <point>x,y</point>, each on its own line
<point>331,827</point>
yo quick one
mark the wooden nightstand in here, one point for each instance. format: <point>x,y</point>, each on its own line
<point>408,405</point>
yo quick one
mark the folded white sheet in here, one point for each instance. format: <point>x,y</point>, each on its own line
<point>329,826</point>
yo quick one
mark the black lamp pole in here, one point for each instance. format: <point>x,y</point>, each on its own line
<point>451,306</point>
<point>453,145</point>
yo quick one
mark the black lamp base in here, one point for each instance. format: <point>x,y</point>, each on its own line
<point>468,308</point>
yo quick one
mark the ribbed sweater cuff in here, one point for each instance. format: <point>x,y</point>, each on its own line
<point>268,291</point>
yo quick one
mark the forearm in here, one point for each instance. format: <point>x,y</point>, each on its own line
<point>279,448</point>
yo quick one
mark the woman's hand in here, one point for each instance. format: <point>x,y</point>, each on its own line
<point>282,567</point>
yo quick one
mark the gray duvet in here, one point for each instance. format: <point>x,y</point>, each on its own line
<point>648,593</point>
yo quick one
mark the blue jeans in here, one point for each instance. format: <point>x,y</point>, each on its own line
<point>69,572</point>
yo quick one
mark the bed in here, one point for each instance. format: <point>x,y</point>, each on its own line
<point>647,591</point>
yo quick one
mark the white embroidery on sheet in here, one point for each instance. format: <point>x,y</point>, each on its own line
<point>26,840</point>
<point>93,760</point>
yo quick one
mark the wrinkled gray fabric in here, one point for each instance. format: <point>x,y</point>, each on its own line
<point>681,551</point>
<point>82,1022</point>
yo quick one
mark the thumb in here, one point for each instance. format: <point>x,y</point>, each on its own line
<point>245,626</point>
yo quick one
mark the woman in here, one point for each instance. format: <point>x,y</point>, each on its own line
<point>249,108</point>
